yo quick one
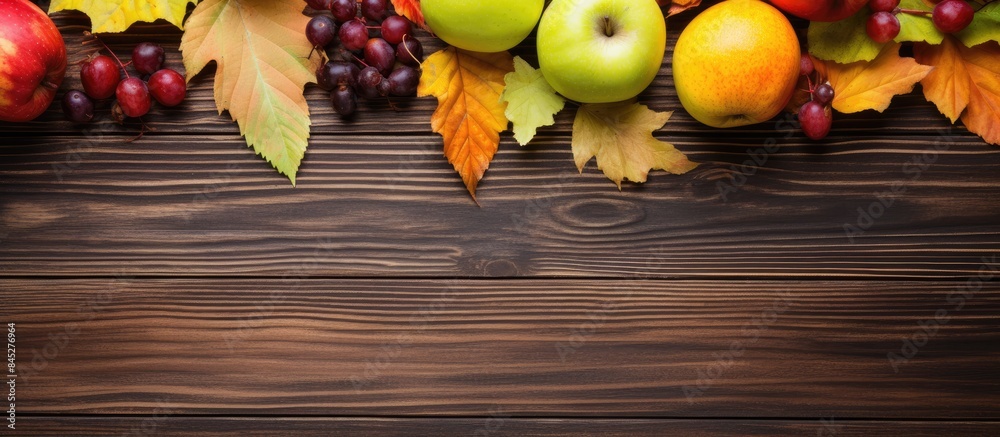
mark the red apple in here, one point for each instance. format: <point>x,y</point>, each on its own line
<point>32,60</point>
<point>821,10</point>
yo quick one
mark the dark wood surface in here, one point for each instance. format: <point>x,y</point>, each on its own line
<point>178,285</point>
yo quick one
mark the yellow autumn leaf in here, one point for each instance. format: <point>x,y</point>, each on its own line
<point>263,64</point>
<point>111,16</point>
<point>470,115</point>
<point>531,101</point>
<point>620,135</point>
<point>965,83</point>
<point>866,85</point>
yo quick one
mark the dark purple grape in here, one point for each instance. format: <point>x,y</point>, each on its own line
<point>883,5</point>
<point>345,101</point>
<point>147,58</point>
<point>410,52</point>
<point>882,27</point>
<point>368,81</point>
<point>380,54</point>
<point>395,28</point>
<point>824,94</point>
<point>403,81</point>
<point>384,88</point>
<point>167,87</point>
<point>952,16</point>
<point>319,5</point>
<point>77,107</point>
<point>353,35</point>
<point>816,120</point>
<point>374,9</point>
<point>321,31</point>
<point>806,66</point>
<point>336,73</point>
<point>133,96</point>
<point>344,10</point>
<point>100,77</point>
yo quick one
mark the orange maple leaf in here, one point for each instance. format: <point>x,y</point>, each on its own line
<point>678,6</point>
<point>965,83</point>
<point>411,10</point>
<point>871,85</point>
<point>470,115</point>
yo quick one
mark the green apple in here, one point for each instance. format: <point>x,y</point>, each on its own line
<point>600,51</point>
<point>482,26</point>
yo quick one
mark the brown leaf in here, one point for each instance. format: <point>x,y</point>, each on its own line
<point>678,6</point>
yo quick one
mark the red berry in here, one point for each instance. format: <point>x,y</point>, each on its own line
<point>395,28</point>
<point>147,58</point>
<point>883,5</point>
<point>952,16</point>
<point>167,87</point>
<point>806,66</point>
<point>133,96</point>
<point>816,120</point>
<point>100,77</point>
<point>882,27</point>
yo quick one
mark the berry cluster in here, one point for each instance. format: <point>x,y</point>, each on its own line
<point>102,78</point>
<point>815,116</point>
<point>377,55</point>
<point>949,16</point>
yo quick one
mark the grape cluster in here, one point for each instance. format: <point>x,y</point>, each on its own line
<point>816,115</point>
<point>101,76</point>
<point>377,55</point>
<point>949,16</point>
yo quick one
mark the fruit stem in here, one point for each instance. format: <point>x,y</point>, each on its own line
<point>409,52</point>
<point>142,131</point>
<point>356,58</point>
<point>913,12</point>
<point>85,33</point>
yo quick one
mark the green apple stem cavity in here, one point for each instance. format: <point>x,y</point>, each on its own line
<point>601,51</point>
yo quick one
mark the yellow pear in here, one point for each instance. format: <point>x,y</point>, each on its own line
<point>736,64</point>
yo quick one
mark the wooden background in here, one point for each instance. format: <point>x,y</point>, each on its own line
<point>177,285</point>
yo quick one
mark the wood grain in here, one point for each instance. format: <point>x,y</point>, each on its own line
<point>493,426</point>
<point>391,205</point>
<point>551,348</point>
<point>177,285</point>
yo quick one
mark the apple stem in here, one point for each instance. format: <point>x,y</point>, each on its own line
<point>85,33</point>
<point>913,12</point>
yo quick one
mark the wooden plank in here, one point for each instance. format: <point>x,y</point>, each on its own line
<point>491,426</point>
<point>392,206</point>
<point>552,348</point>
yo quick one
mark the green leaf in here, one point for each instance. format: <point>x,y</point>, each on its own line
<point>531,101</point>
<point>985,26</point>
<point>620,135</point>
<point>263,63</point>
<point>917,27</point>
<point>843,41</point>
